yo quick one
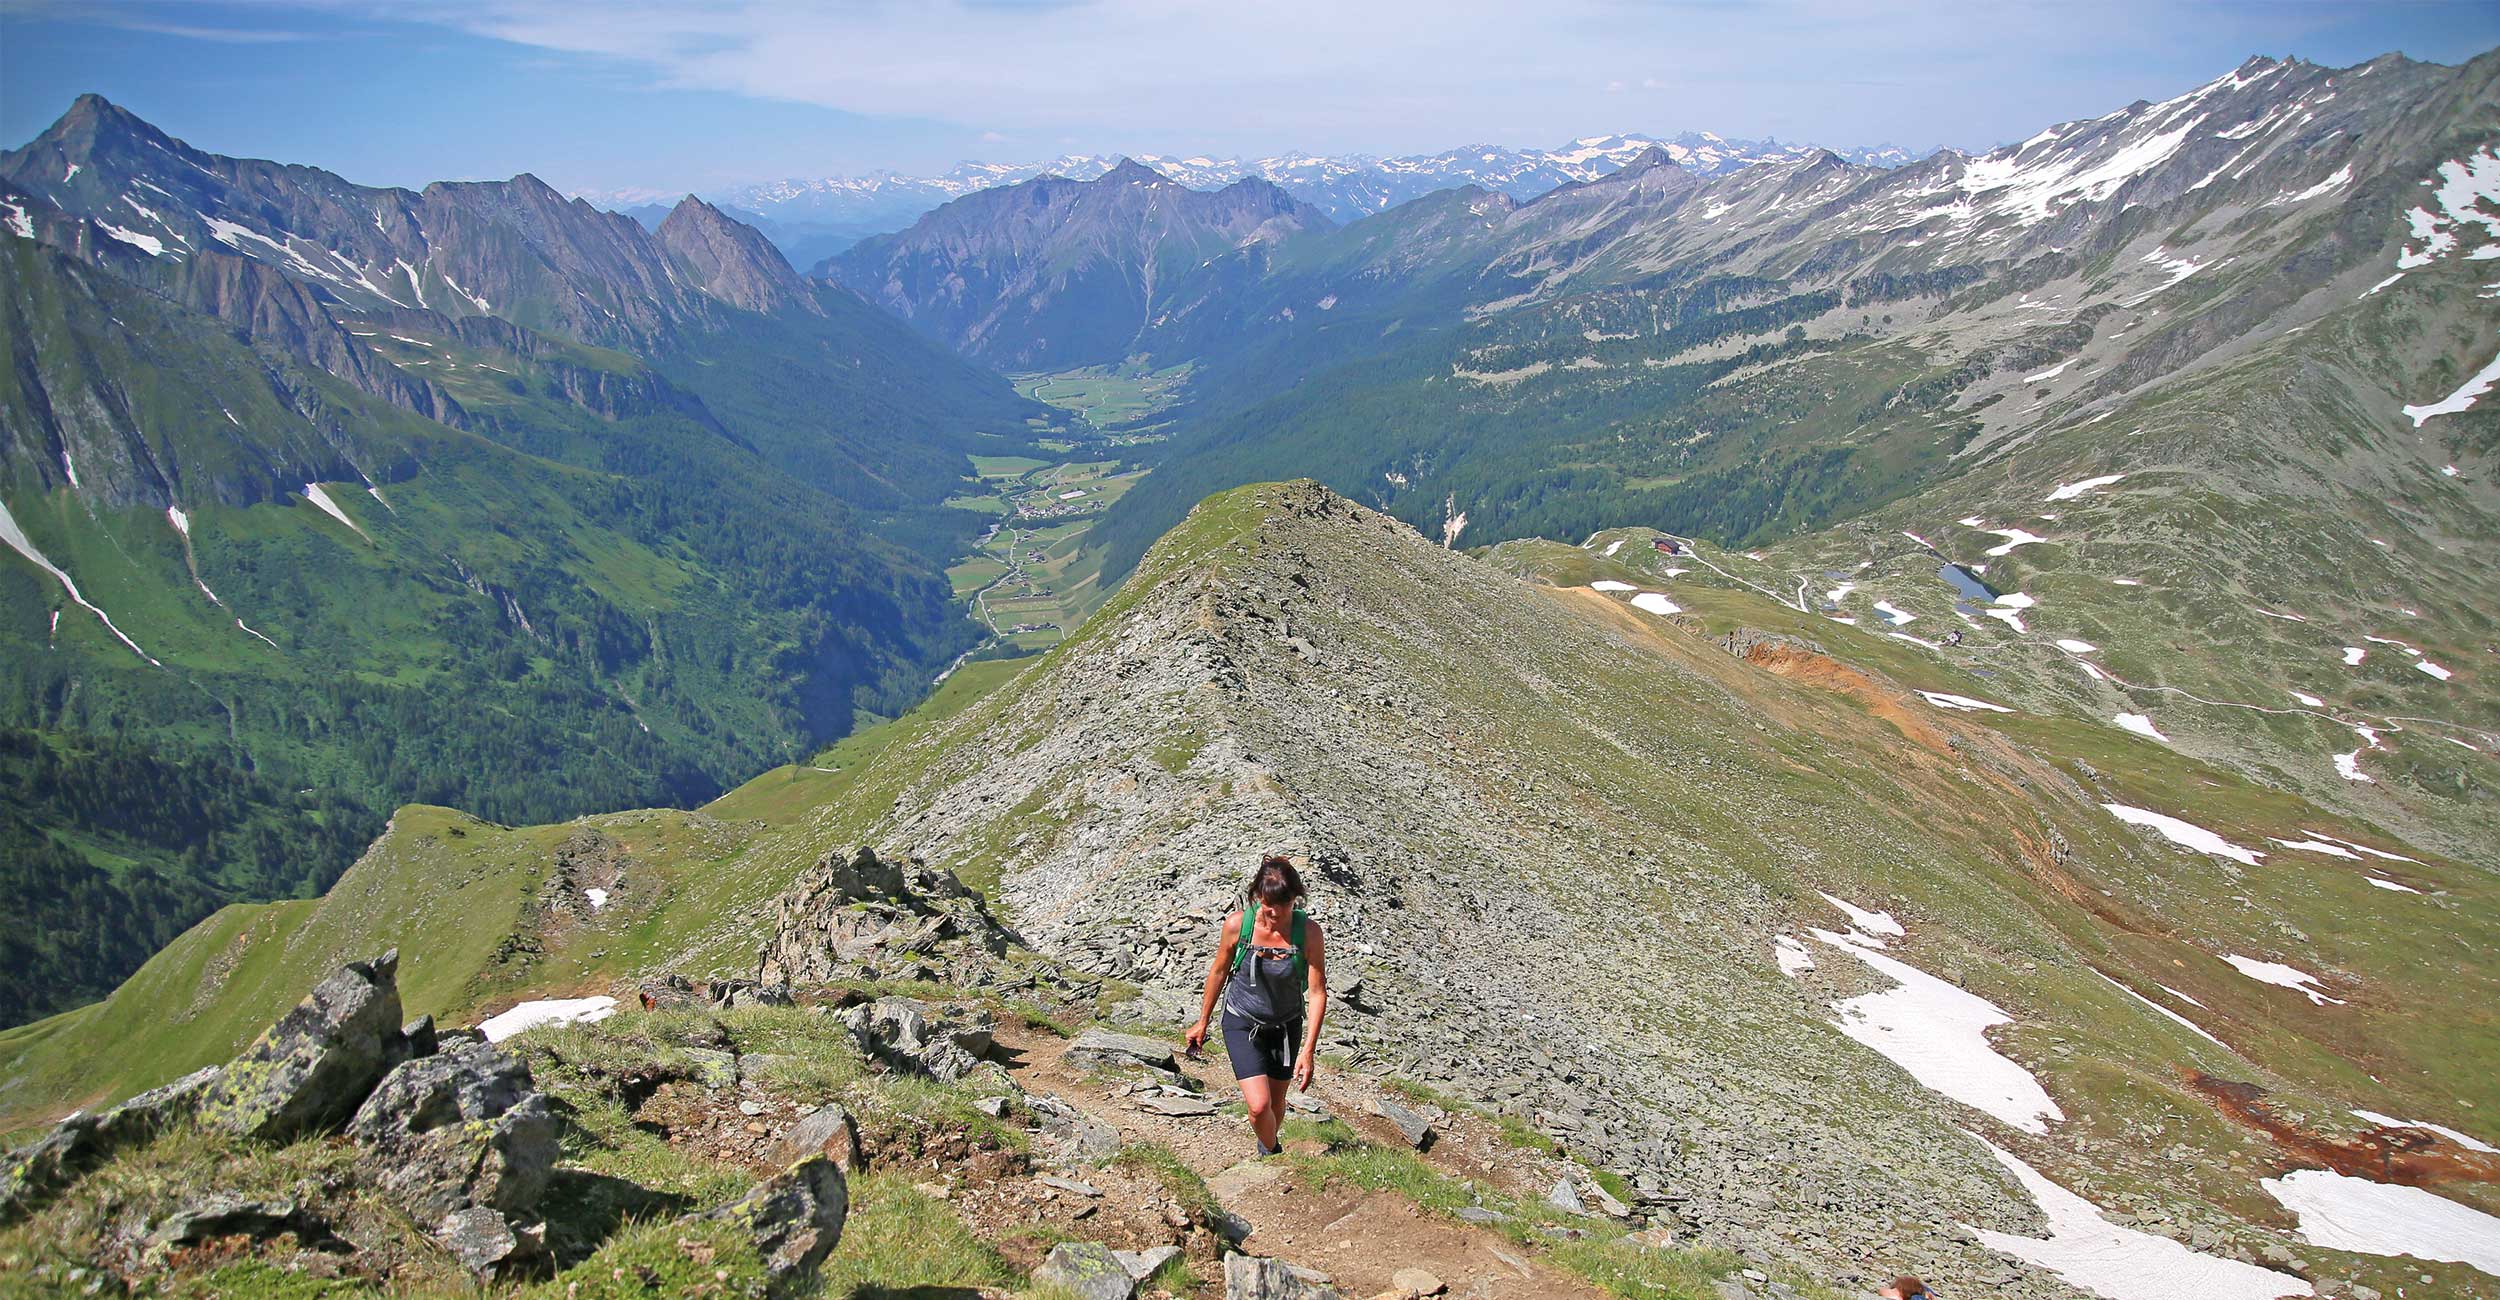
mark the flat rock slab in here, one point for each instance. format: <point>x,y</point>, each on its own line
<point>1069,1185</point>
<point>1101,1049</point>
<point>1162,1103</point>
<point>1411,1124</point>
<point>1232,1184</point>
<point>1141,1264</point>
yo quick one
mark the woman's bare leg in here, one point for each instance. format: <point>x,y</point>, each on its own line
<point>1265,1098</point>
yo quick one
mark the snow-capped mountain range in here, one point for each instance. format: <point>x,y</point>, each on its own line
<point>1345,186</point>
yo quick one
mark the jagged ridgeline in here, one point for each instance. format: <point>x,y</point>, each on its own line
<point>322,498</point>
<point>1749,911</point>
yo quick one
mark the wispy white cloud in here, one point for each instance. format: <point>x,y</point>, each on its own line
<point>1385,75</point>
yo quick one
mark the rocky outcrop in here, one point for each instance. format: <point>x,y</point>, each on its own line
<point>914,1037</point>
<point>1248,1277</point>
<point>313,1068</point>
<point>860,915</point>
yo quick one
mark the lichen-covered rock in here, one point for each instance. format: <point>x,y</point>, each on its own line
<point>855,915</point>
<point>794,1218</point>
<point>1088,1270</point>
<point>43,1167</point>
<point>220,1215</point>
<point>311,1070</point>
<point>465,1127</point>
<point>488,1245</point>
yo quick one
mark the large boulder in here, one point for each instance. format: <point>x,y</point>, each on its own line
<point>856,915</point>
<point>1250,1278</point>
<point>40,1169</point>
<point>1087,1270</point>
<point>465,1127</point>
<point>312,1069</point>
<point>794,1218</point>
<point>826,1131</point>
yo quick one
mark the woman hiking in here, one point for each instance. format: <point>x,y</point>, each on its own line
<point>1270,968</point>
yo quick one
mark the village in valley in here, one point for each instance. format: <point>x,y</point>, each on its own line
<point>1027,582</point>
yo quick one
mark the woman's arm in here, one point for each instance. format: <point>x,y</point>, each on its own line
<point>1217,969</point>
<point>1315,1007</point>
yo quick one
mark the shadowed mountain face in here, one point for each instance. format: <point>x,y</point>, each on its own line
<point>1055,272</point>
<point>320,498</point>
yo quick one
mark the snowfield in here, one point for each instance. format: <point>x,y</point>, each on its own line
<point>2463,399</point>
<point>2069,491</point>
<point>2185,834</point>
<point>1656,604</point>
<point>1937,1034</point>
<point>1609,584</point>
<point>2341,1212</point>
<point>2282,976</point>
<point>553,1011</point>
<point>2097,1255</point>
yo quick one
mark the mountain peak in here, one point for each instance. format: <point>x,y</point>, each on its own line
<point>1129,171</point>
<point>92,119</point>
<point>730,260</point>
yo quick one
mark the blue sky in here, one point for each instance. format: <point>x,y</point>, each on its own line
<point>667,95</point>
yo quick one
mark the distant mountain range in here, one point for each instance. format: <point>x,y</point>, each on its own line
<point>813,219</point>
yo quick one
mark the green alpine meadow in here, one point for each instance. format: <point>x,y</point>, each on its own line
<point>750,713</point>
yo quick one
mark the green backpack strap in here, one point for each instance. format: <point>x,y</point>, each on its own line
<point>1249,918</point>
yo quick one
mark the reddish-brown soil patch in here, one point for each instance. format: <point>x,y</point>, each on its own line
<point>2410,1156</point>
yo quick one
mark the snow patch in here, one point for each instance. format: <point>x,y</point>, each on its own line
<point>2433,669</point>
<point>2362,848</point>
<point>148,244</point>
<point>2192,1026</point>
<point>1656,604</point>
<point>2386,1121</point>
<point>2391,885</point>
<point>598,897</point>
<point>2074,647</point>
<point>2140,725</point>
<point>1609,584</point>
<point>1611,548</point>
<point>17,540</point>
<point>2462,399</point>
<point>2348,766</point>
<point>2341,1212</point>
<point>2184,834</point>
<point>2121,1263</point>
<point>1866,922</point>
<point>1894,614</point>
<point>1791,954</point>
<point>1961,703</point>
<point>2318,846</point>
<point>180,519</point>
<point>2282,976</point>
<point>552,1011</point>
<point>314,493</point>
<point>2069,491</point>
<point>2311,700</point>
<point>1938,1034</point>
<point>2353,655</point>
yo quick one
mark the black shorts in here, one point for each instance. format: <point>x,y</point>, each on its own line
<point>1257,1049</point>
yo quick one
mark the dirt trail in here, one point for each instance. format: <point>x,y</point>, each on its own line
<point>1359,1237</point>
